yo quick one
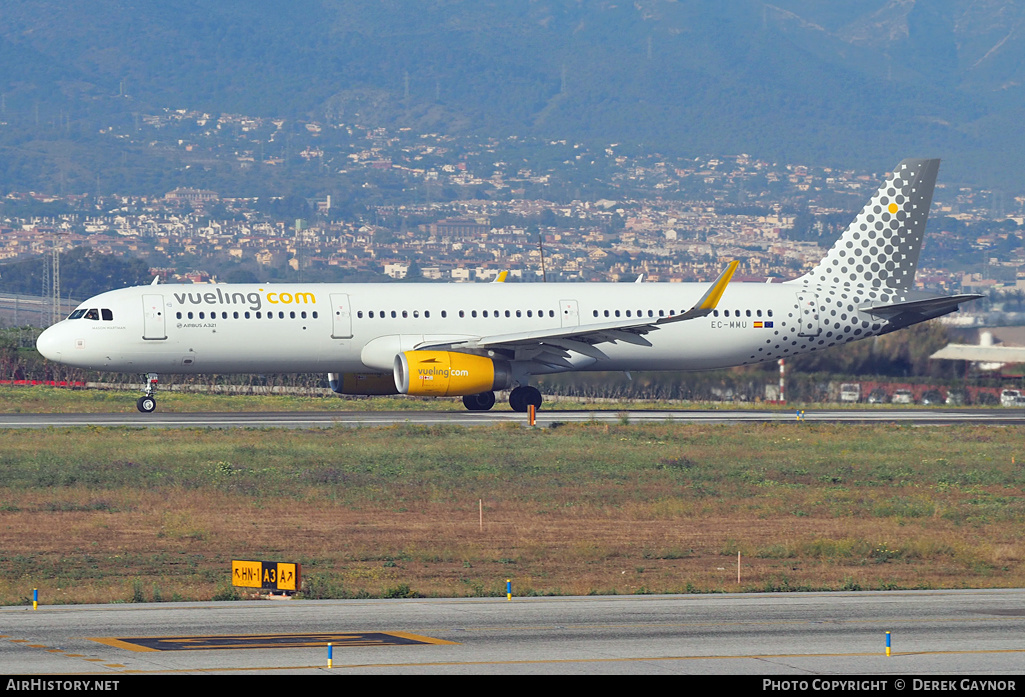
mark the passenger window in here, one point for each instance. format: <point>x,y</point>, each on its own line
<point>190,315</point>
<point>177,314</point>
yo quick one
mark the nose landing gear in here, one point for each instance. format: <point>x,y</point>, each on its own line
<point>147,403</point>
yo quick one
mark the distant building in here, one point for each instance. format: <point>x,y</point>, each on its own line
<point>459,228</point>
<point>181,195</point>
<point>995,348</point>
<point>397,270</point>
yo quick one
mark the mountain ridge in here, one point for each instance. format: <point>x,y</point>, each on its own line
<point>848,84</point>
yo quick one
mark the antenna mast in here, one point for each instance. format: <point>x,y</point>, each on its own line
<point>52,283</point>
<point>55,300</point>
<point>541,249</point>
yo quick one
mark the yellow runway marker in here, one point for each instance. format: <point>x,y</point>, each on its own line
<point>266,641</point>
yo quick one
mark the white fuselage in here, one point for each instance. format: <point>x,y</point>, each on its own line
<point>361,327</point>
<point>471,339</point>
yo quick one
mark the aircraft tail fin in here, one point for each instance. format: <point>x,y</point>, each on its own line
<point>879,250</point>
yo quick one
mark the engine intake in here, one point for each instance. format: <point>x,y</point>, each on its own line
<point>449,374</point>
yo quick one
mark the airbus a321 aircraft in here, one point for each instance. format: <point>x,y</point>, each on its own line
<point>471,340</point>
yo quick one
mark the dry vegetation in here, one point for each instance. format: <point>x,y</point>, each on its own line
<point>114,514</point>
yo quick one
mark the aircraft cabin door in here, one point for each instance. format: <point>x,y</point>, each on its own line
<point>153,318</point>
<point>570,313</point>
<point>810,324</point>
<point>341,316</point>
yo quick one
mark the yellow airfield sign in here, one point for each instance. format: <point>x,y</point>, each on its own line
<point>266,575</point>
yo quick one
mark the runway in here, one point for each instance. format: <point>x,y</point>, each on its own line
<point>545,419</point>
<point>959,632</point>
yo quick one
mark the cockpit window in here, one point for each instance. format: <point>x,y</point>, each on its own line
<point>107,315</point>
<point>76,314</point>
<point>92,314</point>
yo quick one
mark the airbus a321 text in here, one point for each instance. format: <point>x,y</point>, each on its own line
<point>472,340</point>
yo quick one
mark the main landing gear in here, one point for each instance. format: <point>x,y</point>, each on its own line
<point>523,396</point>
<point>147,403</point>
<point>519,399</point>
<point>479,402</point>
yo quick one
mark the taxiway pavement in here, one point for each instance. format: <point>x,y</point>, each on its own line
<point>966,632</point>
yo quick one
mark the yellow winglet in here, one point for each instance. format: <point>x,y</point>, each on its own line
<point>711,298</point>
<point>500,278</point>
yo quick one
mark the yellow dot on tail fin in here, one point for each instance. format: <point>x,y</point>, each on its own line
<point>893,208</point>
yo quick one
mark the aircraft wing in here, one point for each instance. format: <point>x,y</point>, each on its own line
<point>553,345</point>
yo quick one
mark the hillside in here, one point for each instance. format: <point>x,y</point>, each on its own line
<point>849,84</point>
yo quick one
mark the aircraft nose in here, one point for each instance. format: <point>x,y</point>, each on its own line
<point>49,344</point>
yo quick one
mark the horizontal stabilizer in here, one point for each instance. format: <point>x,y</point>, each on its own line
<point>913,311</point>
